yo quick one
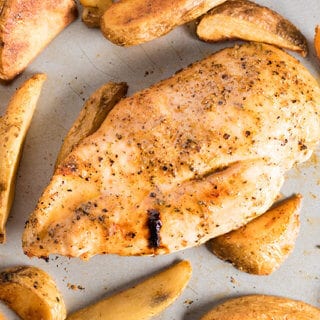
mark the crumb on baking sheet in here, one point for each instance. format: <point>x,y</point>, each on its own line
<point>188,302</point>
<point>75,287</point>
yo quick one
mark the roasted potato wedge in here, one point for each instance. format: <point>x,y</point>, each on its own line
<point>131,22</point>
<point>317,41</point>
<point>262,307</point>
<point>143,301</point>
<point>14,125</point>
<point>32,294</point>
<point>26,28</point>
<point>242,19</point>
<point>92,115</point>
<point>93,10</point>
<point>263,244</point>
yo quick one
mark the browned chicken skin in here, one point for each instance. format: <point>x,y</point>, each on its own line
<point>191,158</point>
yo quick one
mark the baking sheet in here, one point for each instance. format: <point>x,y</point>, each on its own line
<point>77,62</point>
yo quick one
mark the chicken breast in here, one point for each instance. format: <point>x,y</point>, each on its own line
<point>193,157</point>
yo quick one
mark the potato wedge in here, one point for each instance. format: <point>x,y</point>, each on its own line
<point>263,244</point>
<point>262,307</point>
<point>92,115</point>
<point>14,125</point>
<point>242,19</point>
<point>143,301</point>
<point>32,294</point>
<point>93,10</point>
<point>131,22</point>
<point>27,27</point>
<point>317,41</point>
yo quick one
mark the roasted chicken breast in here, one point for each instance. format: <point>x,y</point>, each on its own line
<point>193,157</point>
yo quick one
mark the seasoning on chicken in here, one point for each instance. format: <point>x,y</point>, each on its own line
<point>193,157</point>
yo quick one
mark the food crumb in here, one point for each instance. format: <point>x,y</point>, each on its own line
<point>147,73</point>
<point>314,196</point>
<point>75,287</point>
<point>188,302</point>
<point>233,280</point>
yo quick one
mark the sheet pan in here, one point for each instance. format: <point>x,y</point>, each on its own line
<point>77,62</point>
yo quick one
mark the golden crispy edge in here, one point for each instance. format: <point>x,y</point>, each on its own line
<point>259,17</point>
<point>317,41</point>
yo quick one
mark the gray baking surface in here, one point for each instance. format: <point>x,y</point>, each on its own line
<point>77,62</point>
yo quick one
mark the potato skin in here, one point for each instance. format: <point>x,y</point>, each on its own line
<point>93,11</point>
<point>27,27</point>
<point>31,293</point>
<point>91,17</point>
<point>145,300</point>
<point>261,246</point>
<point>92,115</point>
<point>131,22</point>
<point>14,125</point>
<point>246,20</point>
<point>263,307</point>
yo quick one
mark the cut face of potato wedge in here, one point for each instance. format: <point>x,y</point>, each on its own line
<point>92,115</point>
<point>93,10</point>
<point>143,301</point>
<point>32,294</point>
<point>27,27</point>
<point>317,41</point>
<point>242,19</point>
<point>131,22</point>
<point>263,244</point>
<point>14,125</point>
<point>262,307</point>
